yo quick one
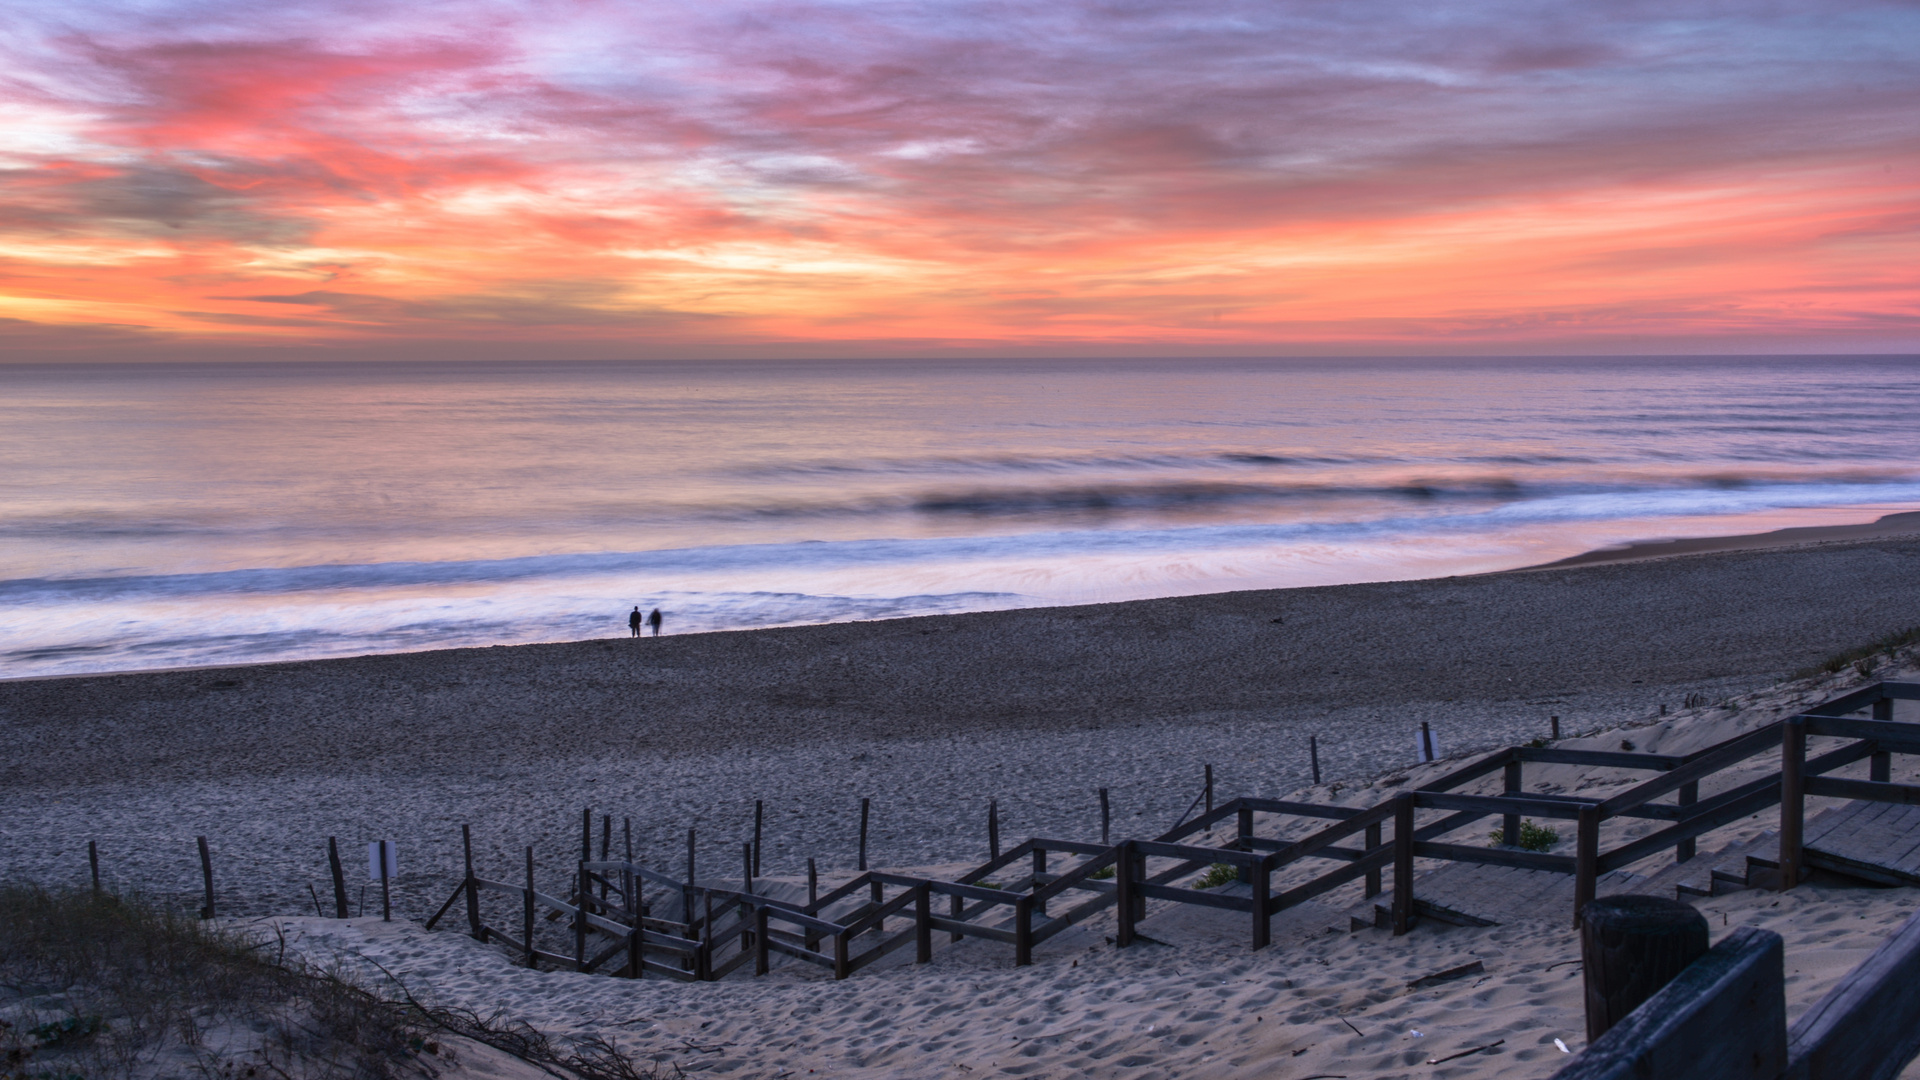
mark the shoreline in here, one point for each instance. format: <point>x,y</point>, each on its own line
<point>1888,526</point>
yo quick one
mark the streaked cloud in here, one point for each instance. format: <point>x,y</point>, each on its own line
<point>769,178</point>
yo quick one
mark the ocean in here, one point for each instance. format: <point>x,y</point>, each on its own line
<point>165,515</point>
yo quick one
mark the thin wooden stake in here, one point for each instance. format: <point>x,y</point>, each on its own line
<point>690,877</point>
<point>339,879</point>
<point>93,864</point>
<point>606,846</point>
<point>473,886</point>
<point>386,894</point>
<point>746,866</point>
<point>864,803</point>
<point>1426,742</point>
<point>1106,820</point>
<point>1209,789</point>
<point>813,885</point>
<point>527,910</point>
<point>993,828</point>
<point>759,809</point>
<point>1556,727</point>
<point>1313,751</point>
<point>206,873</point>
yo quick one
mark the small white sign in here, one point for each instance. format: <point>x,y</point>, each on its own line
<point>1426,746</point>
<point>373,860</point>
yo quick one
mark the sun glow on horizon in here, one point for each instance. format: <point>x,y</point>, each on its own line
<point>759,178</point>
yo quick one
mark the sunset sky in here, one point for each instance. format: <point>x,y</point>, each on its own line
<point>739,178</point>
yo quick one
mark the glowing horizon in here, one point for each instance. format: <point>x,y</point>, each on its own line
<point>750,178</point>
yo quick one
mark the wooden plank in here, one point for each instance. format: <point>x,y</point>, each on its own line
<point>1618,759</point>
<point>1491,763</point>
<point>1723,1018</point>
<point>969,929</point>
<point>1154,849</point>
<point>1710,761</point>
<point>1891,735</point>
<point>1498,804</point>
<point>1495,856</point>
<point>953,888</point>
<point>1332,834</point>
<point>1868,1026</point>
<point>1835,788</point>
<point>1298,809</point>
<point>1197,897</point>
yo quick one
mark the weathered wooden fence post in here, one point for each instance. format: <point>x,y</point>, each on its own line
<point>1555,721</point>
<point>993,828</point>
<point>1402,863</point>
<point>922,923</point>
<point>206,875</point>
<point>386,885</point>
<point>1630,947</point>
<point>759,809</point>
<point>1262,917</point>
<point>1123,894</point>
<point>1511,785</point>
<point>864,805</point>
<point>474,926</point>
<point>1039,871</point>
<point>1586,859</point>
<point>1373,876</point>
<point>1106,820</point>
<point>1209,789</point>
<point>1243,834</point>
<point>93,865</point>
<point>1023,931</point>
<point>527,910</point>
<point>1313,754</point>
<point>585,897</point>
<point>746,867</point>
<point>339,879</point>
<point>1880,763</point>
<point>1793,804</point>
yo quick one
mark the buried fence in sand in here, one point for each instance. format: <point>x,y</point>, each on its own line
<point>617,928</point>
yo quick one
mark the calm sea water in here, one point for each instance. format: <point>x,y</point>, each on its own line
<point>165,515</point>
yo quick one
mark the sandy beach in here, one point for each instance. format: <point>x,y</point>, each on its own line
<point>930,718</point>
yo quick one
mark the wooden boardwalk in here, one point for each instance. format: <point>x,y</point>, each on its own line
<point>1875,841</point>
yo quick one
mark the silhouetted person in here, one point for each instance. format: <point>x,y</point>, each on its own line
<point>633,622</point>
<point>653,620</point>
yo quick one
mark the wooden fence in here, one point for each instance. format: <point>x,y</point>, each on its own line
<point>846,929</point>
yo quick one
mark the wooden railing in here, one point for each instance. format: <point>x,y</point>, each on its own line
<point>722,928</point>
<point>1724,1018</point>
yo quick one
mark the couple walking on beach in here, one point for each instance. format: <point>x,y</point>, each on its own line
<point>634,620</point>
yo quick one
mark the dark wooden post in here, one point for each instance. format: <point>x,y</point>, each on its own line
<point>878,895</point>
<point>746,866</point>
<point>993,828</point>
<point>1793,806</point>
<point>386,891</point>
<point>606,849</point>
<point>1262,917</point>
<point>1209,789</point>
<point>1023,931</point>
<point>1373,876</point>
<point>1880,764</point>
<point>813,887</point>
<point>580,914</point>
<point>1426,742</point>
<point>762,955</point>
<point>1138,868</point>
<point>690,875</point>
<point>1586,859</point>
<point>586,835</point>
<point>1039,871</point>
<point>1556,727</point>
<point>339,879</point>
<point>840,968</point>
<point>637,937</point>
<point>1689,795</point>
<point>93,864</point>
<point>1106,820</point>
<point>1631,946</point>
<point>706,937</point>
<point>864,804</point>
<point>626,828</point>
<point>526,912</point>
<point>922,923</point>
<point>1402,864</point>
<point>206,874</point>
<point>1313,753</point>
<point>1510,823</point>
<point>759,812</point>
<point>1243,832</point>
<point>957,910</point>
<point>1123,894</point>
<point>473,887</point>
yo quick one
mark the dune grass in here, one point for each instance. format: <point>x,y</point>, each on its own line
<point>96,986</point>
